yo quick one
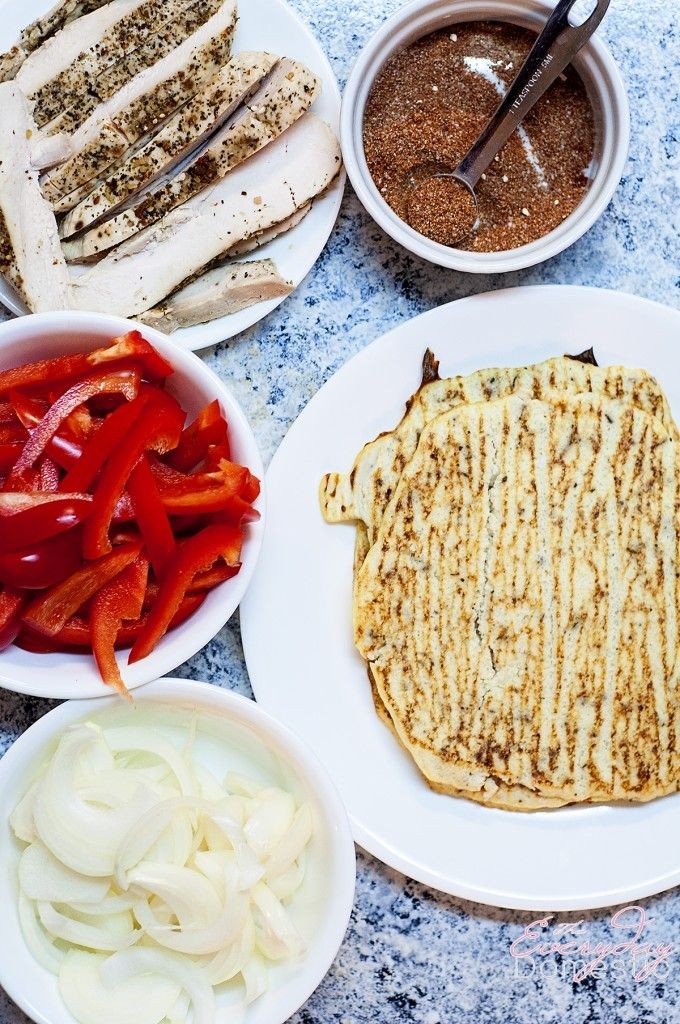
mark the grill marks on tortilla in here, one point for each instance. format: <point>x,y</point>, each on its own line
<point>519,607</point>
<point>365,493</point>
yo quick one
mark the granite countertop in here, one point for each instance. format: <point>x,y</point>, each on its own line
<point>411,954</point>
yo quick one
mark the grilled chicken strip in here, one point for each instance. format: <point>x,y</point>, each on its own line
<point>284,97</point>
<point>140,107</point>
<point>135,42</point>
<point>30,254</point>
<point>193,124</point>
<point>58,52</point>
<point>31,37</point>
<point>227,289</point>
<point>260,193</point>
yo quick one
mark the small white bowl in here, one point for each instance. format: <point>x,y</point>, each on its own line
<point>600,76</point>
<point>60,676</point>
<point>327,902</point>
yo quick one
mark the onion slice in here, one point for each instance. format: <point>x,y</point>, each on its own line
<point>139,998</point>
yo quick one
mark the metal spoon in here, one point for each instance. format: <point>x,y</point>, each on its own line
<point>555,47</point>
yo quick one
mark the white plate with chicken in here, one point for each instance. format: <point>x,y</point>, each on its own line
<point>175,161</point>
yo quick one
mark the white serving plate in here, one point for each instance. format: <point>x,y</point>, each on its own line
<point>322,908</point>
<point>263,25</point>
<point>310,676</point>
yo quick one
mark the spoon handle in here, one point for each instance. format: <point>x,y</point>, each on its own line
<point>551,53</point>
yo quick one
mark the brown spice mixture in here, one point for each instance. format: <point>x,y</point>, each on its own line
<point>442,208</point>
<point>427,106</point>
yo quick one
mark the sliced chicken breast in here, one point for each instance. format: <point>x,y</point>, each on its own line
<point>11,61</point>
<point>50,151</point>
<point>284,97</point>
<point>63,12</point>
<point>134,42</point>
<point>262,192</point>
<point>142,105</point>
<point>262,237</point>
<point>193,124</point>
<point>226,289</point>
<point>30,254</point>
<point>59,51</point>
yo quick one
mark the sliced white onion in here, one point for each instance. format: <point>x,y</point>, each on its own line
<point>194,935</point>
<point>231,961</point>
<point>179,1014</point>
<point>255,977</point>
<point>208,784</point>
<point>191,897</point>
<point>139,998</point>
<point>276,920</point>
<point>111,934</point>
<point>285,886</point>
<point>122,967</point>
<point>43,877</point>
<point>214,865</point>
<point>114,904</point>
<point>240,784</point>
<point>142,835</point>
<point>250,868</point>
<point>21,818</point>
<point>271,816</point>
<point>136,738</point>
<point>291,845</point>
<point>38,941</point>
<point>82,836</point>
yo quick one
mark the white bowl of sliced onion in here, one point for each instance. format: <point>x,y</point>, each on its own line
<point>182,859</point>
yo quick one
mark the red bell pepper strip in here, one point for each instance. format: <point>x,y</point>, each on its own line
<point>105,441</point>
<point>78,426</point>
<point>151,517</point>
<point>17,501</point>
<point>202,582</point>
<point>201,492</point>
<point>192,556</point>
<point>126,383</point>
<point>62,448</point>
<point>11,603</point>
<point>77,634</point>
<point>12,432</point>
<point>121,598</point>
<point>49,475</point>
<point>130,346</point>
<point>209,428</point>
<point>124,512</point>
<point>236,513</point>
<point>7,414</point>
<point>50,612</point>
<point>158,428</point>
<point>43,564</point>
<point>41,520</point>
<point>9,453</point>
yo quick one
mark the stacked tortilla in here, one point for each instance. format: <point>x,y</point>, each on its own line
<point>517,582</point>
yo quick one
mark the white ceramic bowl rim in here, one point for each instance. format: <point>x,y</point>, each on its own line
<point>594,64</point>
<point>44,335</point>
<point>27,992</point>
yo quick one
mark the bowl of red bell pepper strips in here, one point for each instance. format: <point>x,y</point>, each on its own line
<point>130,505</point>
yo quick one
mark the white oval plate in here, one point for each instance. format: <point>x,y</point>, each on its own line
<point>263,25</point>
<point>309,675</point>
<point>323,905</point>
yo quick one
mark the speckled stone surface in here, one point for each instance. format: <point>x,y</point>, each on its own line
<point>411,954</point>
